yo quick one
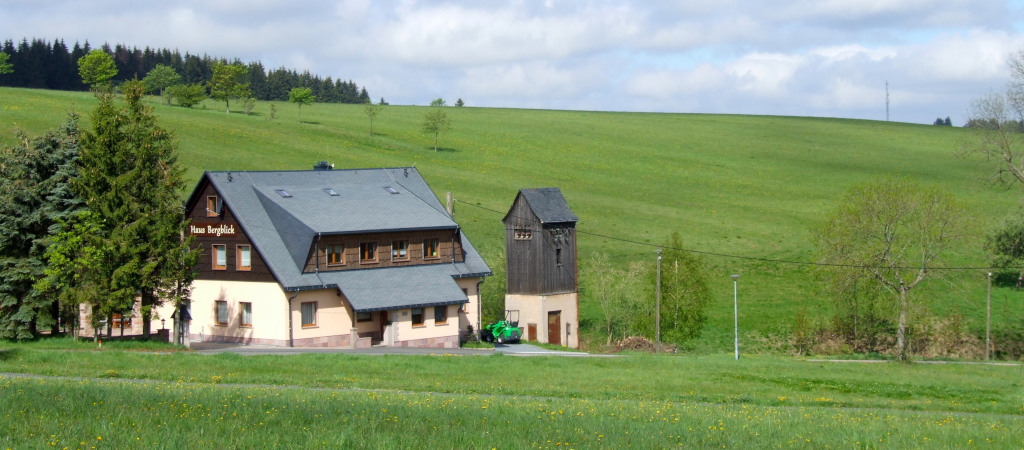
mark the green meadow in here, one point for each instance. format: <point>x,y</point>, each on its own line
<point>81,397</point>
<point>751,187</point>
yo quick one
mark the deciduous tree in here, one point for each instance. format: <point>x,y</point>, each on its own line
<point>228,82</point>
<point>187,95</point>
<point>161,78</point>
<point>895,232</point>
<point>615,292</point>
<point>301,96</point>
<point>372,111</point>
<point>97,69</point>
<point>436,122</point>
<point>684,295</point>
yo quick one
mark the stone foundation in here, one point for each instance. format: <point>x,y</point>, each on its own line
<point>437,342</point>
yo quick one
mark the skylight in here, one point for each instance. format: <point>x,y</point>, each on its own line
<point>283,193</point>
<point>390,189</point>
<point>331,192</point>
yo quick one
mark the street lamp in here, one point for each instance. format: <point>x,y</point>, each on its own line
<point>736,314</point>
<point>988,319</point>
<point>657,308</point>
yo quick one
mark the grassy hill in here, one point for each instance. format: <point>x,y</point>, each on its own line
<point>751,186</point>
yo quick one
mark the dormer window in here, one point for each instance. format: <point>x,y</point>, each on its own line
<point>212,206</point>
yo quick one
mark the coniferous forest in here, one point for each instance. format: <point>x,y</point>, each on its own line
<point>43,65</point>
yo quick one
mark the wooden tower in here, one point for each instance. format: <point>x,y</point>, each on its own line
<point>541,279</point>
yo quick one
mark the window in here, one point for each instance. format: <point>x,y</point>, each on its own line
<point>391,190</point>
<point>363,316</point>
<point>417,317</point>
<point>558,256</point>
<point>522,235</point>
<point>120,321</point>
<point>246,314</point>
<point>430,248</point>
<point>212,206</point>
<point>283,193</point>
<point>331,192</point>
<point>220,257</point>
<point>440,314</point>
<point>335,254</point>
<point>243,257</point>
<point>222,312</point>
<point>368,252</point>
<point>464,305</point>
<point>308,314</point>
<point>399,250</point>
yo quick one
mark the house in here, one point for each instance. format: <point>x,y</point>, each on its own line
<point>329,258</point>
<point>542,273</point>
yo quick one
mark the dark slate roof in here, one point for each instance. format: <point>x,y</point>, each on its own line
<point>397,287</point>
<point>549,205</point>
<point>283,228</point>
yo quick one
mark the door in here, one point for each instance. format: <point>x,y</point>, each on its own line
<point>554,327</point>
<point>531,332</point>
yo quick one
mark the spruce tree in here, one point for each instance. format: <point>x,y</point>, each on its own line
<point>130,179</point>
<point>35,201</point>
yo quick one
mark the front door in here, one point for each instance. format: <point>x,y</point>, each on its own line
<point>554,327</point>
<point>385,328</point>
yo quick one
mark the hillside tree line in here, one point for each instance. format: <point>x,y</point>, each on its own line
<point>43,65</point>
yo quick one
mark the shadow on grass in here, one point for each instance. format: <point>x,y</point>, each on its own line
<point>442,149</point>
<point>310,122</point>
<point>9,354</point>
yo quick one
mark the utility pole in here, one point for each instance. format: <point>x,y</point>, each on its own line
<point>736,314</point>
<point>988,320</point>
<point>657,309</point>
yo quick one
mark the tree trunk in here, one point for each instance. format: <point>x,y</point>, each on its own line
<point>901,332</point>
<point>147,302</point>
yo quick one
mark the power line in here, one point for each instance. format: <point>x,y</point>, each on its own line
<point>741,257</point>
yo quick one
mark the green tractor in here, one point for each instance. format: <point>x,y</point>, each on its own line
<point>502,331</point>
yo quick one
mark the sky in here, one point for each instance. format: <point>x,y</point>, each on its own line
<point>828,58</point>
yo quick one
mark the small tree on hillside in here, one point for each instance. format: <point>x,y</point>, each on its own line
<point>436,122</point>
<point>97,69</point>
<point>228,82</point>
<point>301,96</point>
<point>893,231</point>
<point>187,95</point>
<point>372,111</point>
<point>161,78</point>
<point>459,103</point>
<point>438,102</point>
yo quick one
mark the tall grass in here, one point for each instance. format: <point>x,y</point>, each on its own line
<point>106,414</point>
<point>182,399</point>
<point>752,186</point>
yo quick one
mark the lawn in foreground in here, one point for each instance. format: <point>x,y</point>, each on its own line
<point>343,400</point>
<point>86,414</point>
